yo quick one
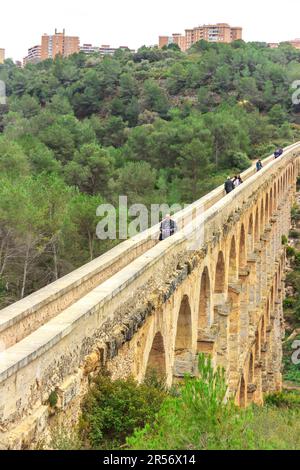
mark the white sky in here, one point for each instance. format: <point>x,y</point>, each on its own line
<point>138,22</point>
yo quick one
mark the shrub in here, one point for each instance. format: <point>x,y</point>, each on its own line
<point>53,399</point>
<point>113,409</point>
<point>295,213</point>
<point>276,428</point>
<point>293,279</point>
<point>290,251</point>
<point>294,234</point>
<point>297,260</point>
<point>240,161</point>
<point>297,311</point>
<point>198,418</point>
<point>284,240</point>
<point>283,399</point>
<point>289,302</point>
<point>63,438</point>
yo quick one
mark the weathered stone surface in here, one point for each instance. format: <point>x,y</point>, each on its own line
<point>70,389</point>
<point>25,433</point>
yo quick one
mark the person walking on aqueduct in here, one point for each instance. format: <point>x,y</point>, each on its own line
<point>167,228</point>
<point>237,181</point>
<point>259,165</point>
<point>229,186</point>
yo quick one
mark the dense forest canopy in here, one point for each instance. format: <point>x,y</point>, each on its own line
<point>159,126</point>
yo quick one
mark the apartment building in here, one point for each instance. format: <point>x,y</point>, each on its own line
<point>176,38</point>
<point>2,56</point>
<point>220,32</point>
<point>33,56</point>
<point>59,44</point>
<point>89,49</point>
<point>103,50</point>
<point>295,43</point>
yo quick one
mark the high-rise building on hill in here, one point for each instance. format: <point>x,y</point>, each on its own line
<point>2,56</point>
<point>59,44</point>
<point>33,56</point>
<point>220,32</point>
<point>295,43</point>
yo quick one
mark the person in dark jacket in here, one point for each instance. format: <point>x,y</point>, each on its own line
<point>259,165</point>
<point>229,186</point>
<point>167,228</point>
<point>278,152</point>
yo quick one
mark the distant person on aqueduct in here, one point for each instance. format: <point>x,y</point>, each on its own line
<point>167,228</point>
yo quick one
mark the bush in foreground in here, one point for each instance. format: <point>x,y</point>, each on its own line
<point>198,418</point>
<point>113,409</point>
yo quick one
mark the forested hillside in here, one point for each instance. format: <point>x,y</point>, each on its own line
<point>158,126</point>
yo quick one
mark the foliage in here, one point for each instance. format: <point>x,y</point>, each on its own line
<point>198,417</point>
<point>290,252</point>
<point>193,415</point>
<point>275,428</point>
<point>113,409</point>
<point>42,222</point>
<point>53,398</point>
<point>294,234</point>
<point>289,302</point>
<point>284,399</point>
<point>158,126</point>
<point>291,371</point>
<point>64,438</point>
<point>291,306</point>
<point>293,280</point>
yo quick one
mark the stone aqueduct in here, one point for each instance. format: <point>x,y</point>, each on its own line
<point>157,305</point>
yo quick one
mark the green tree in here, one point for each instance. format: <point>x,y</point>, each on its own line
<point>90,170</point>
<point>155,99</point>
<point>27,106</point>
<point>137,181</point>
<point>277,115</point>
<point>83,216</point>
<point>193,165</point>
<point>13,161</point>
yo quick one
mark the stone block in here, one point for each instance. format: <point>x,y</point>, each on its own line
<point>184,364</point>
<point>91,363</point>
<point>22,436</point>
<point>69,390</point>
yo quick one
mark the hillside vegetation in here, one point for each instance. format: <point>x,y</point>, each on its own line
<point>159,126</point>
<point>291,304</point>
<point>193,415</point>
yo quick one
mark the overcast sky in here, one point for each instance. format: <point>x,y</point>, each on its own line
<point>138,22</point>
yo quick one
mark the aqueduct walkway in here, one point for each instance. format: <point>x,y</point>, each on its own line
<point>147,305</point>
